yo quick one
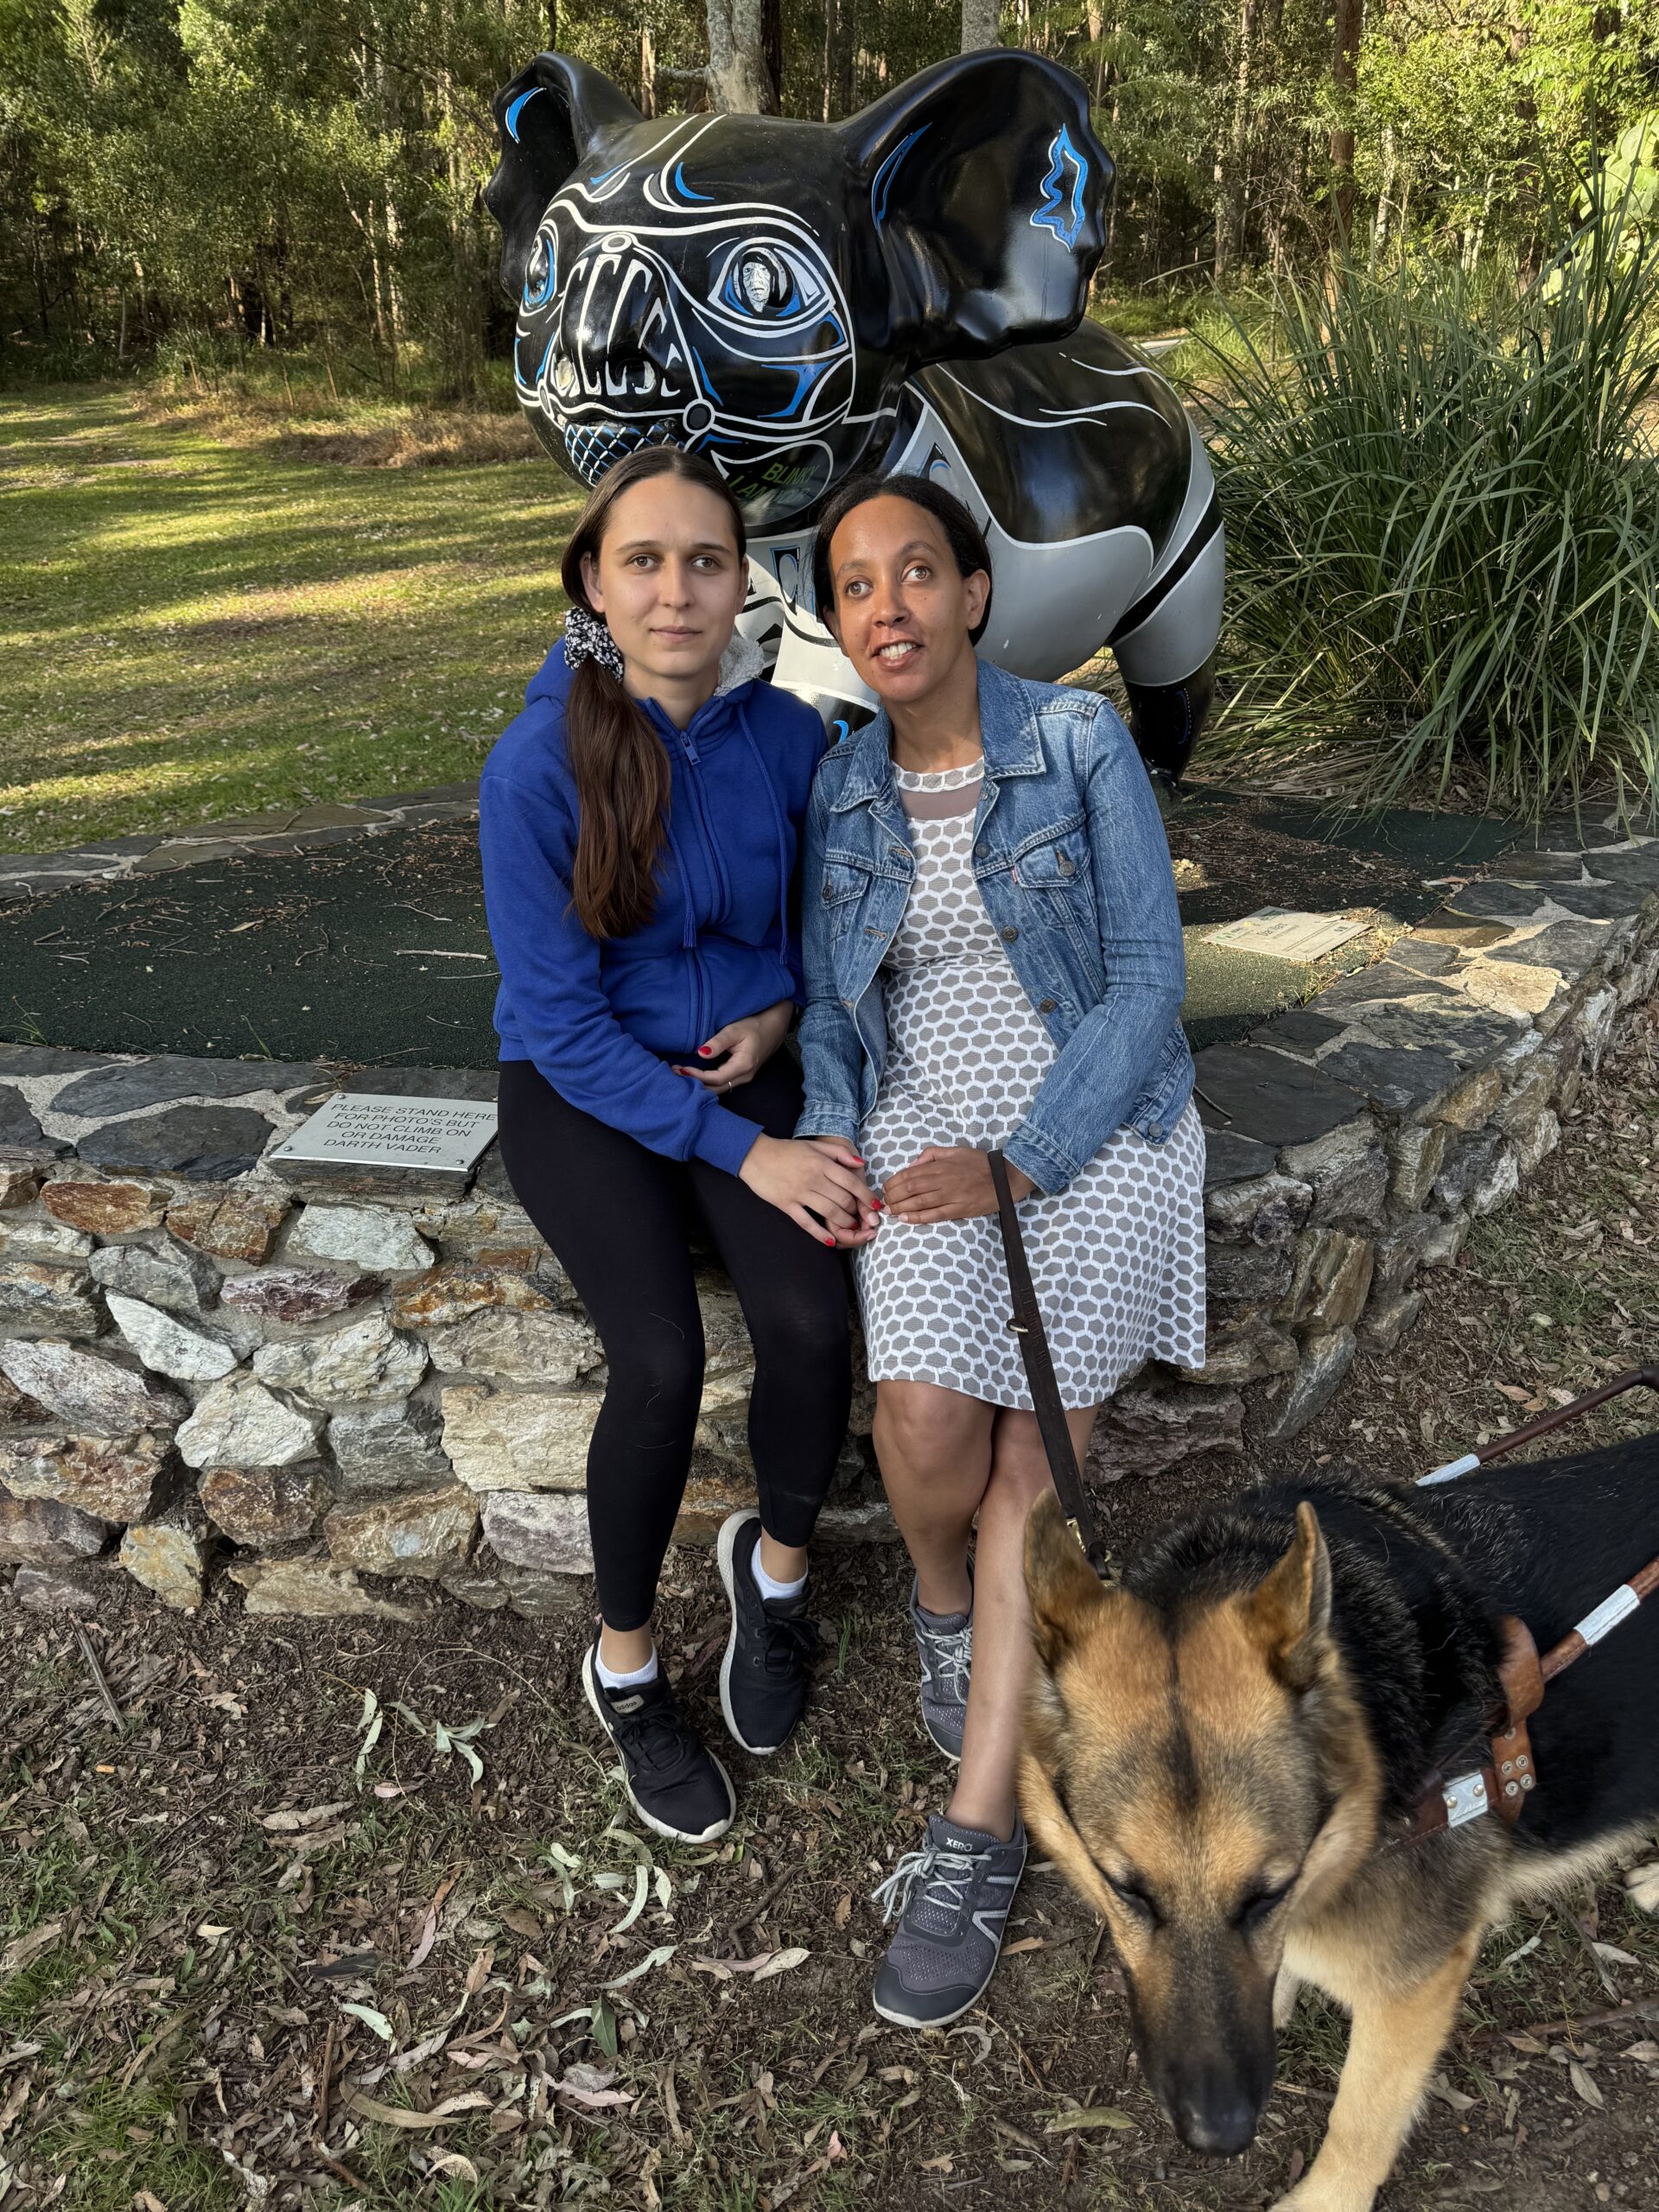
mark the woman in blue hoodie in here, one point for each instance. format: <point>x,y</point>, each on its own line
<point>639,824</point>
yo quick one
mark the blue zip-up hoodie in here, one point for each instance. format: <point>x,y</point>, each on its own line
<point>602,1019</point>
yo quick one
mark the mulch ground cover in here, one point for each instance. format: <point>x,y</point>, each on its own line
<point>344,1912</point>
<point>375,951</point>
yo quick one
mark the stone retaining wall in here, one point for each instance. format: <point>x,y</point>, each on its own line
<point>343,1384</point>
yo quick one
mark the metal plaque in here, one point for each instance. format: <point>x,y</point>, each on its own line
<point>1283,934</point>
<point>373,1129</point>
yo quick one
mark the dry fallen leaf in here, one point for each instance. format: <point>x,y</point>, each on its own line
<point>34,1945</point>
<point>443,2115</point>
<point>1582,2082</point>
<point>780,1962</point>
<point>1090,2116</point>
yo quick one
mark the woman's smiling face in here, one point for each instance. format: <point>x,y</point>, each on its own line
<point>903,614</point>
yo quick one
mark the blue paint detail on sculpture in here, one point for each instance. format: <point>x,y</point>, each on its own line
<point>1064,162</point>
<point>884,176</point>
<point>511,119</point>
<point>902,292</point>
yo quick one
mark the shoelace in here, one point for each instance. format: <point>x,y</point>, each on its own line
<point>790,1641</point>
<point>951,1654</point>
<point>657,1735</point>
<point>942,1873</point>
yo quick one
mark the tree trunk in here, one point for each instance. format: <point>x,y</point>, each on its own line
<point>1344,76</point>
<point>739,81</point>
<point>771,49</point>
<point>840,47</point>
<point>979,25</point>
<point>647,72</point>
<point>1233,185</point>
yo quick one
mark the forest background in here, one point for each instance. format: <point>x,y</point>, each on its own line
<point>195,186</point>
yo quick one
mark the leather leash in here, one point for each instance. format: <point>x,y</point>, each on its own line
<point>1028,1325</point>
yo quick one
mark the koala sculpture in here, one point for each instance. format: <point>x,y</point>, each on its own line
<point>902,292</point>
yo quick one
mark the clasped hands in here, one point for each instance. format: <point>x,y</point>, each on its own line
<point>821,1182</point>
<point>825,1177</point>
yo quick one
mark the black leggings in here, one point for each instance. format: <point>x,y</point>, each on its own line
<point>617,1216</point>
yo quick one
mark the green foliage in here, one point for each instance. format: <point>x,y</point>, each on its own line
<point>1443,527</point>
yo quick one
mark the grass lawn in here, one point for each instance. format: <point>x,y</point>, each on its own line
<point>192,629</point>
<point>253,1954</point>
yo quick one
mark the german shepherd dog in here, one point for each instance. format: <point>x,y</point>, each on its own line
<point>1221,1749</point>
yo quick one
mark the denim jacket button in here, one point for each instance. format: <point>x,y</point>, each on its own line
<point>1044,1006</point>
<point>1154,1130</point>
<point>1065,864</point>
<point>1009,935</point>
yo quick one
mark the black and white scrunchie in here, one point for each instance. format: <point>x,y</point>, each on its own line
<point>587,637</point>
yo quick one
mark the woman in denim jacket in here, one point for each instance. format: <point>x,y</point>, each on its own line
<point>993,953</point>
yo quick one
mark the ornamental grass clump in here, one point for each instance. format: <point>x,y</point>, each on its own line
<point>1442,513</point>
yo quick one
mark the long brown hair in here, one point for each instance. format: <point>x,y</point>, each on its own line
<point>618,762</point>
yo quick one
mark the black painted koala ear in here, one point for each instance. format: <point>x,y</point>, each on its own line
<point>986,189</point>
<point>547,120</point>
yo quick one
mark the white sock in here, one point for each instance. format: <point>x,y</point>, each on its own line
<point>767,1588</point>
<point>613,1681</point>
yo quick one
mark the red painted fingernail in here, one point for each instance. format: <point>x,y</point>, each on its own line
<point>878,1204</point>
<point>703,1051</point>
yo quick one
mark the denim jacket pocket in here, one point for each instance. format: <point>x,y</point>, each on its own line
<point>1056,873</point>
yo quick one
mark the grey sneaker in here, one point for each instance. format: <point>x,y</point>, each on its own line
<point>945,1641</point>
<point>955,1895</point>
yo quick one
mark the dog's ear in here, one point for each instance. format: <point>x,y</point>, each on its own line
<point>1289,1610</point>
<point>1065,1592</point>
<point>986,189</point>
<point>547,121</point>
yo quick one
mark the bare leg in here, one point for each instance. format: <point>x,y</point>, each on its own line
<point>1391,2050</point>
<point>934,1447</point>
<point>985,1794</point>
<point>625,1650</point>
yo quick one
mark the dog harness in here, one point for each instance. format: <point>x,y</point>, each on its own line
<point>1504,1779</point>
<point>1501,1783</point>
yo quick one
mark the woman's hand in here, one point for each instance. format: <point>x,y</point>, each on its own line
<point>746,1044</point>
<point>951,1183</point>
<point>803,1176</point>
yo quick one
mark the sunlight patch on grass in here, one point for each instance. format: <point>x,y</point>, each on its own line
<point>196,630</point>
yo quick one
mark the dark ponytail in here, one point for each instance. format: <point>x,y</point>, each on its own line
<point>618,762</point>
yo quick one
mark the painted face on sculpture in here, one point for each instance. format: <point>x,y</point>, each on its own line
<point>651,312</point>
<point>759,289</point>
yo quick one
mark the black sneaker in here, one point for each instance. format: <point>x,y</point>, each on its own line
<point>677,1787</point>
<point>764,1675</point>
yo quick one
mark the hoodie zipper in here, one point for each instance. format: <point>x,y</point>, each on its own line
<point>692,785</point>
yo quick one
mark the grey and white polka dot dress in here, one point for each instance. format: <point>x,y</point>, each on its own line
<point>1116,1257</point>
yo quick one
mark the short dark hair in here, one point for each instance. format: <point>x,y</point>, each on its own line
<point>961,533</point>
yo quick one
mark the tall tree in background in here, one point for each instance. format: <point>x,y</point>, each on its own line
<point>981,24</point>
<point>1344,80</point>
<point>738,79</point>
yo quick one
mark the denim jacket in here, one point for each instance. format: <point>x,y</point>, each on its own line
<point>1073,865</point>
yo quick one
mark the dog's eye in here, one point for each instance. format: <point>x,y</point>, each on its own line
<point>765,283</point>
<point>1256,1910</point>
<point>1131,1894</point>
